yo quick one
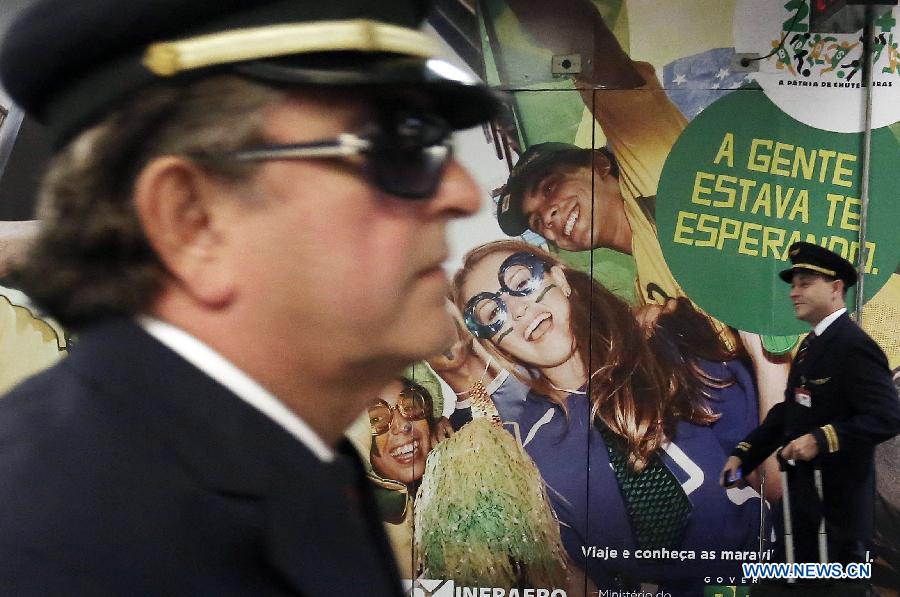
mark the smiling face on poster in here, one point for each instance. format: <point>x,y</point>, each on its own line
<point>817,77</point>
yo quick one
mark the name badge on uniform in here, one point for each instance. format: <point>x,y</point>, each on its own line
<point>803,397</point>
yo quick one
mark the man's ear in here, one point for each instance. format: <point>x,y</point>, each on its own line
<point>558,275</point>
<point>841,289</point>
<point>602,165</point>
<point>176,204</point>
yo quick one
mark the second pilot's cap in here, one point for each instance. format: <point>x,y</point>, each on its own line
<point>813,258</point>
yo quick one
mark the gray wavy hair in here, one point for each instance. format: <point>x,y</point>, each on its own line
<point>92,258</point>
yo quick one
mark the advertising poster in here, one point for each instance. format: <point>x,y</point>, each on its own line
<point>620,322</point>
<point>29,341</point>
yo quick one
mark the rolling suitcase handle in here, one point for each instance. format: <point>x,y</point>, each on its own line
<point>783,465</point>
<point>823,534</point>
<point>786,510</point>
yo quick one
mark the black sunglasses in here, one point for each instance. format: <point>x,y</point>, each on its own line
<point>406,153</point>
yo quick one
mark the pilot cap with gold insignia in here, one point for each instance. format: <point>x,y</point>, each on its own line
<point>69,62</point>
<point>807,257</point>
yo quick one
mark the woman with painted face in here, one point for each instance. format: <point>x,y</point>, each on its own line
<point>628,422</point>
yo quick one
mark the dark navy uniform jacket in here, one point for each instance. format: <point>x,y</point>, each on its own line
<point>124,470</point>
<point>841,392</point>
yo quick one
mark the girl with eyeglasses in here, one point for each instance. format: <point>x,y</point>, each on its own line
<point>401,421</point>
<point>400,429</point>
<point>628,421</point>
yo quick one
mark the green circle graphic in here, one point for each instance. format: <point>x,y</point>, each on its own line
<point>743,181</point>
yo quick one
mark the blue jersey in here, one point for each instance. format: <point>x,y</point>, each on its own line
<point>573,460</point>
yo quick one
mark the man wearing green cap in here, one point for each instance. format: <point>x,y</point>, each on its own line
<point>245,224</point>
<point>581,199</point>
<point>839,404</point>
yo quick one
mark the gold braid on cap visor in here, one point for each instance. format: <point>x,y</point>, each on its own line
<point>816,268</point>
<point>166,59</point>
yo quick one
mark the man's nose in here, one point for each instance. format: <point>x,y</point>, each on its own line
<point>549,214</point>
<point>457,195</point>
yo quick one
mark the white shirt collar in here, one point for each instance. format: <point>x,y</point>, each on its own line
<point>823,325</point>
<point>220,369</point>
